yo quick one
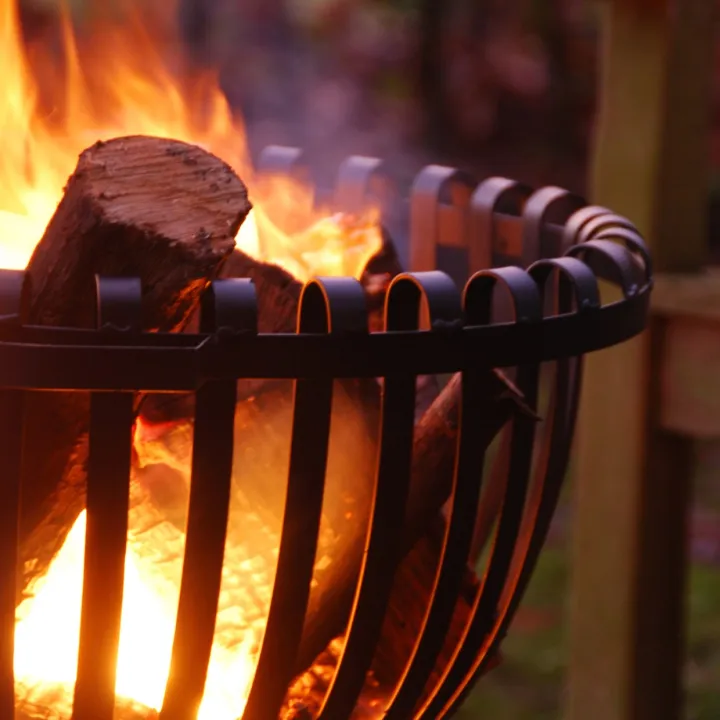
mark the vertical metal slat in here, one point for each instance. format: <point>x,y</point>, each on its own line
<point>466,489</point>
<point>486,607</point>
<point>382,550</point>
<point>549,472</point>
<point>11,442</point>
<point>228,306</point>
<point>11,449</point>
<point>108,479</point>
<point>335,305</point>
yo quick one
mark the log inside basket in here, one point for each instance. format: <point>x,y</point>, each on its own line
<point>164,211</point>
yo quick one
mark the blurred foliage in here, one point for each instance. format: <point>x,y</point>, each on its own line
<point>528,685</point>
<point>703,667</point>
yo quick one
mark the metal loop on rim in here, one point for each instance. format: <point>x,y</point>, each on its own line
<point>354,182</point>
<point>577,221</point>
<point>426,196</point>
<point>496,195</point>
<point>343,302</point>
<point>439,292</point>
<point>548,204</point>
<point>632,239</point>
<point>229,306</point>
<point>281,160</point>
<point>602,221</point>
<point>118,307</point>
<point>480,292</point>
<point>581,279</point>
<point>118,303</point>
<point>611,262</point>
<point>14,286</point>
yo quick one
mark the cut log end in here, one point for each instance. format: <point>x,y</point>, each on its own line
<point>161,209</point>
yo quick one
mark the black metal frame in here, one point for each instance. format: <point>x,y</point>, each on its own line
<point>118,360</point>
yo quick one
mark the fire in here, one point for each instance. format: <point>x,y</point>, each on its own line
<point>118,85</point>
<point>135,93</point>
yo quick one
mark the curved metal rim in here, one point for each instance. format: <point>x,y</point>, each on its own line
<point>59,358</point>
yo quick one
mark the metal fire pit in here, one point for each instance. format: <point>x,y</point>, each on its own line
<point>555,251</point>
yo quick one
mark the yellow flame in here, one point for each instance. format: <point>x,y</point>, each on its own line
<point>48,627</point>
<point>118,85</point>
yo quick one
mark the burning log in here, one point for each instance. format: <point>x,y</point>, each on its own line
<point>436,438</point>
<point>160,210</point>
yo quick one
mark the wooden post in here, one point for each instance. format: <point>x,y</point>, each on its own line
<point>632,477</point>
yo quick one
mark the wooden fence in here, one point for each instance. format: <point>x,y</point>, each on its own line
<point>646,401</point>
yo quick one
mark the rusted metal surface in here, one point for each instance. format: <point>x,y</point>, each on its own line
<point>555,250</point>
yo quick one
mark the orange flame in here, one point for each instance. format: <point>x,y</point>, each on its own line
<point>118,85</point>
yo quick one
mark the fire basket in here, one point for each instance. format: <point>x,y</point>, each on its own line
<point>552,280</point>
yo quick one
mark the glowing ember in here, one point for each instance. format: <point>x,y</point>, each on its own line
<point>128,91</point>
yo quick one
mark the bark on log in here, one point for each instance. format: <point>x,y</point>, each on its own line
<point>406,612</point>
<point>435,443</point>
<point>160,210</point>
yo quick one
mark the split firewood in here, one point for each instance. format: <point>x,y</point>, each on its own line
<point>436,438</point>
<point>164,211</point>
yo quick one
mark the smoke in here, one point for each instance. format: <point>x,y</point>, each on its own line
<point>326,76</point>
